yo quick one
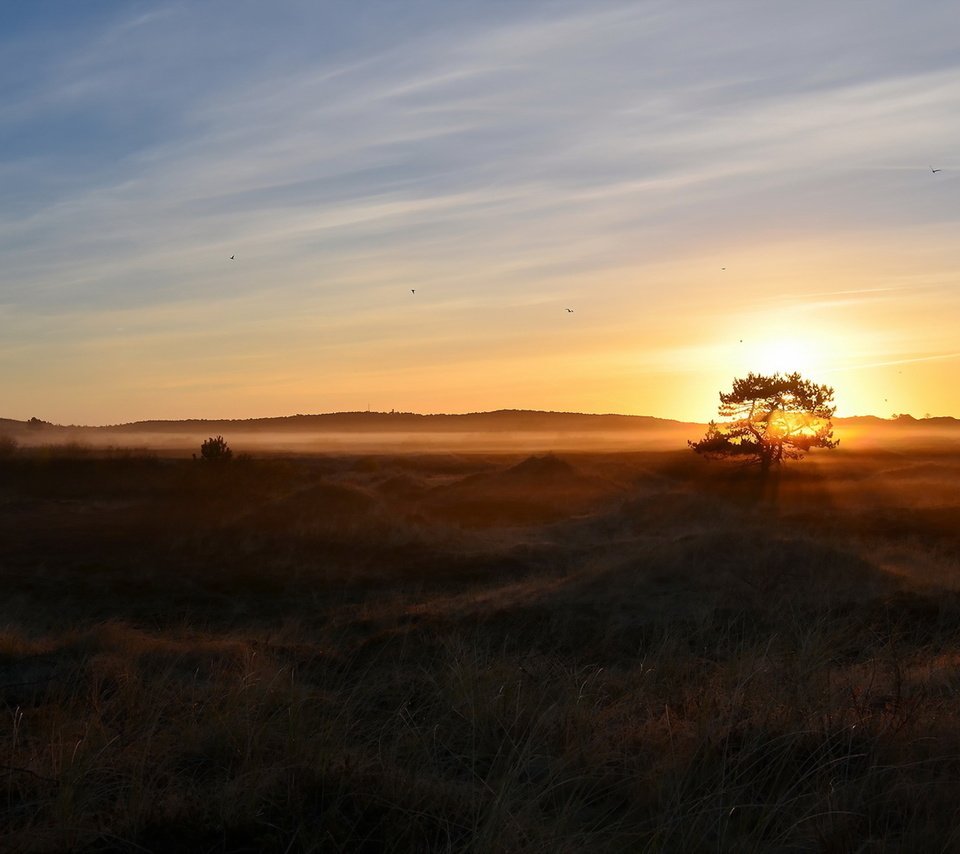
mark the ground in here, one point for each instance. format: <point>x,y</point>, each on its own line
<point>465,652</point>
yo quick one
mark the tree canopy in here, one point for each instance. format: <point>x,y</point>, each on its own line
<point>769,419</point>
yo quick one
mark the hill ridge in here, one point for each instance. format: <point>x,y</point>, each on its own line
<point>496,420</point>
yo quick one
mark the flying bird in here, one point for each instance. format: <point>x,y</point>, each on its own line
<point>232,257</point>
<point>935,170</point>
<point>723,268</point>
<point>413,290</point>
<point>570,310</point>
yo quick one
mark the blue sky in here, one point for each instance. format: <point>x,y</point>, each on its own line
<point>506,160</point>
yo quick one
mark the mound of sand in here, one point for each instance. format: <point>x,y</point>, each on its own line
<point>548,468</point>
<point>537,489</point>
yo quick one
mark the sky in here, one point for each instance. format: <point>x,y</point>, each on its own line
<point>713,187</point>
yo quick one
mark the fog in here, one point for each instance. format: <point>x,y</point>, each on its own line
<point>286,442</point>
<point>184,438</point>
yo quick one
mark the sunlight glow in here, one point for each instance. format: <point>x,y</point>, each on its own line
<point>793,424</point>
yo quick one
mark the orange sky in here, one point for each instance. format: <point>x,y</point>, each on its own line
<point>610,158</point>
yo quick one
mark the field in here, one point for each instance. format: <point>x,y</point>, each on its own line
<point>486,652</point>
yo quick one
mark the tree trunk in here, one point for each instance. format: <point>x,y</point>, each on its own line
<point>765,460</point>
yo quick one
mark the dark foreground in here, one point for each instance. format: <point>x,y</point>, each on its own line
<point>631,652</point>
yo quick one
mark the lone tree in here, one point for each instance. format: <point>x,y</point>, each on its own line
<point>216,450</point>
<point>769,420</point>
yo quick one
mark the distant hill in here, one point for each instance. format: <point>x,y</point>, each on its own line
<point>934,422</point>
<point>509,420</point>
<point>500,419</point>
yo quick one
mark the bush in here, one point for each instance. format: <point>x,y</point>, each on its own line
<point>216,450</point>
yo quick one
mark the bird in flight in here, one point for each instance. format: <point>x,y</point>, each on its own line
<point>569,310</point>
<point>723,268</point>
<point>232,257</point>
<point>935,170</point>
<point>413,290</point>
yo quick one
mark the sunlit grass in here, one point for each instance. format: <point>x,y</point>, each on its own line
<point>324,655</point>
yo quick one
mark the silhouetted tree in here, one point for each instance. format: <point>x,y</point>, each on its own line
<point>215,450</point>
<point>770,419</point>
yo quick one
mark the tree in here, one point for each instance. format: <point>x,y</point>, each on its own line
<point>770,419</point>
<point>215,450</point>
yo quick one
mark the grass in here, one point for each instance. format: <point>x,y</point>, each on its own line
<point>366,654</point>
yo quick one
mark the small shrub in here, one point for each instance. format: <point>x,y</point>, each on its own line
<point>216,450</point>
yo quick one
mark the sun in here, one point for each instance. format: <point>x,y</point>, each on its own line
<point>788,354</point>
<point>784,354</point>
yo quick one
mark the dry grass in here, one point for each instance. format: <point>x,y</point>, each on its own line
<point>342,654</point>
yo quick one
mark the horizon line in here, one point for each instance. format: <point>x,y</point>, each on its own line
<point>393,412</point>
